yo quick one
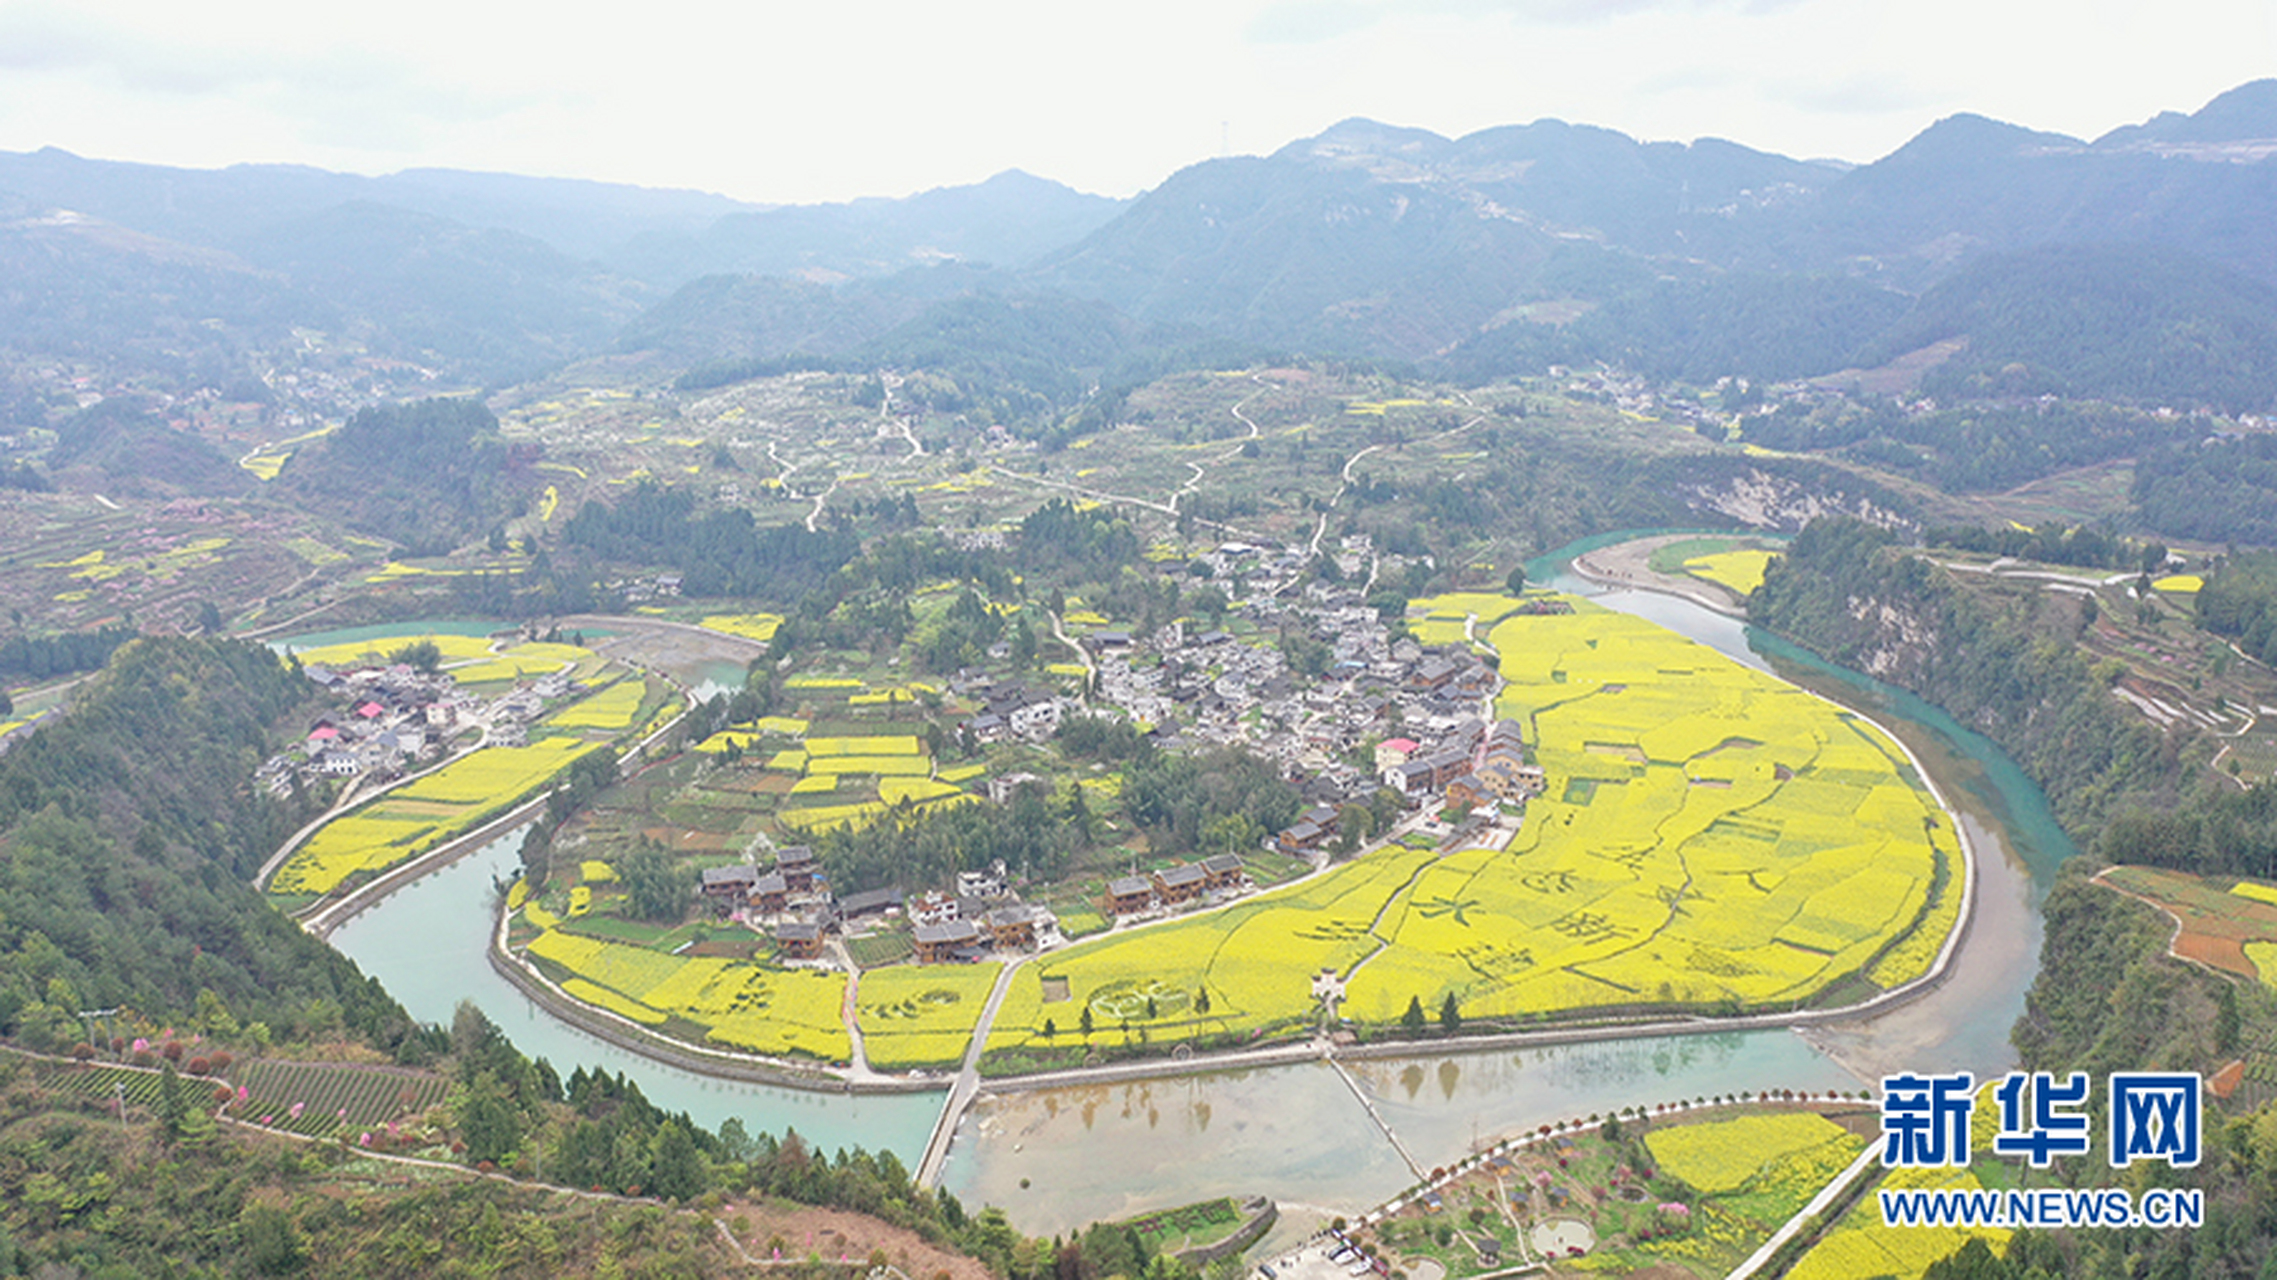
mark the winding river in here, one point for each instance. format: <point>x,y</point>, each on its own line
<point>1056,1159</point>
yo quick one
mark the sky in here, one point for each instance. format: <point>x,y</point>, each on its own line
<point>805,102</point>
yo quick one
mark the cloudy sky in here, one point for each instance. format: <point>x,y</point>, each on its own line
<point>821,101</point>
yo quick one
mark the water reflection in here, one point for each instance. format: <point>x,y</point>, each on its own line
<point>1103,1151</point>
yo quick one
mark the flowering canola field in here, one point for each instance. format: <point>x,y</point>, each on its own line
<point>1742,570</point>
<point>1724,1155</point>
<point>921,1015</point>
<point>1860,1245</point>
<point>411,820</point>
<point>612,708</point>
<point>779,1012</point>
<point>1712,837</point>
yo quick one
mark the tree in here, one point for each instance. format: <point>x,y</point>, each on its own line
<point>488,1122</point>
<point>1086,1021</point>
<point>1201,999</point>
<point>537,856</point>
<point>1413,1019</point>
<point>1450,1017</point>
<point>421,655</point>
<point>173,1108</point>
<point>655,887</point>
<point>676,1171</point>
<point>1079,812</point>
<point>1516,583</point>
<point>270,1241</point>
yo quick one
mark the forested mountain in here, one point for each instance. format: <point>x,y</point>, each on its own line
<point>123,447</point>
<point>130,832</point>
<point>79,289</point>
<point>229,207</point>
<point>498,305</point>
<point>2128,321</point>
<point>1525,245</point>
<point>1500,252</point>
<point>429,475</point>
<point>1006,221</point>
<point>1283,251</point>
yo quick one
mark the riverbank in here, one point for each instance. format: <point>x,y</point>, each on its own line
<point>328,914</point>
<point>1629,565</point>
<point>1609,1027</point>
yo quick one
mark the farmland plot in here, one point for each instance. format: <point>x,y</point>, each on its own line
<point>1712,838</point>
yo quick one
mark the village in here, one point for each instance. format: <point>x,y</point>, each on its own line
<point>396,718</point>
<point>1381,717</point>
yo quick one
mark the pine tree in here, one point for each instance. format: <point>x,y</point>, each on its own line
<point>173,1109</point>
<point>1450,1017</point>
<point>1413,1019</point>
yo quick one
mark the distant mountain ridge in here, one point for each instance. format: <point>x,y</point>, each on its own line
<point>1005,221</point>
<point>1485,255</point>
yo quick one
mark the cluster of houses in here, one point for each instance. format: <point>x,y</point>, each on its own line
<point>1007,709</point>
<point>1207,686</point>
<point>983,915</point>
<point>1175,886</point>
<point>394,719</point>
<point>1472,766</point>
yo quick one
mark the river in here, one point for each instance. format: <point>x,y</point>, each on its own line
<point>1298,1133</point>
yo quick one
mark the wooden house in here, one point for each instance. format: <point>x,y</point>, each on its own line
<point>799,940</point>
<point>1128,895</point>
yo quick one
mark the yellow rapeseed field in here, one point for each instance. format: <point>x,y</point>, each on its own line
<point>373,653</point>
<point>750,626</point>
<point>1859,1245</point>
<point>899,766</point>
<point>2257,892</point>
<point>921,1015</point>
<point>1742,570</point>
<point>740,1003</point>
<point>883,744</point>
<point>522,662</point>
<point>1723,1155</point>
<point>612,708</point>
<point>497,775</point>
<point>414,819</point>
<point>1712,836</point>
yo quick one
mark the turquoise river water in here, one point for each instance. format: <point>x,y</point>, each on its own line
<point>1057,1159</point>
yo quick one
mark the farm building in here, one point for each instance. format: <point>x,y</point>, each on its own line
<point>1222,871</point>
<point>954,940</point>
<point>1129,894</point>
<point>799,940</point>
<point>771,892</point>
<point>1011,927</point>
<point>730,882</point>
<point>796,863</point>
<point>1179,884</point>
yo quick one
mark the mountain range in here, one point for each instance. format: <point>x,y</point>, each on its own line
<point>1490,254</point>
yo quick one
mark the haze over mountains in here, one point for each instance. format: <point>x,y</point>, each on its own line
<point>2150,254</point>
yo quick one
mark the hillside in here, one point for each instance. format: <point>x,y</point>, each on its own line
<point>2109,321</point>
<point>429,475</point>
<point>1006,221</point>
<point>130,830</point>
